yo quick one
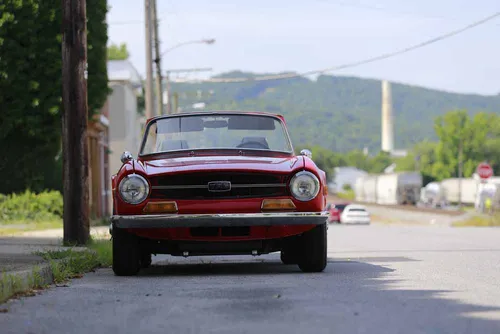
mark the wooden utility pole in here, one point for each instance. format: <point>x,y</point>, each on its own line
<point>149,98</point>
<point>169,95</point>
<point>158,78</point>
<point>460,170</point>
<point>74,123</point>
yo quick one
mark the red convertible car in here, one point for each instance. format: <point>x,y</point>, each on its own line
<point>218,183</point>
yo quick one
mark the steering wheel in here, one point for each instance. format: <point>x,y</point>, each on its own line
<point>253,144</point>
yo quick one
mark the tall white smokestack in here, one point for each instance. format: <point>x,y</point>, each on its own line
<point>387,121</point>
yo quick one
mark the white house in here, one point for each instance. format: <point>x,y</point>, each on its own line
<point>125,123</point>
<point>346,176</point>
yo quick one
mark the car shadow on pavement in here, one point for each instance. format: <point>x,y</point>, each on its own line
<point>236,265</point>
<point>352,295</point>
<point>267,265</point>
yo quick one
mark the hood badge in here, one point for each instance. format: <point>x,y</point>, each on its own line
<point>219,186</point>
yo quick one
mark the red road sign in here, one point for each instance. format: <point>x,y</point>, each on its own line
<point>484,170</point>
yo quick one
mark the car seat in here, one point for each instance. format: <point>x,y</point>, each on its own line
<point>250,142</point>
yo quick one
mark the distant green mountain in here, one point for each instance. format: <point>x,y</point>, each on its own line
<point>337,112</point>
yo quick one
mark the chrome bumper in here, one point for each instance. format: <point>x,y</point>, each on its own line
<point>219,220</point>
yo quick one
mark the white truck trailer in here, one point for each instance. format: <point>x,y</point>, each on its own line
<point>468,193</point>
<point>389,189</point>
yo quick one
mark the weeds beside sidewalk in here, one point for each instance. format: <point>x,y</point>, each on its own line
<point>59,266</point>
<point>70,263</point>
<point>479,221</point>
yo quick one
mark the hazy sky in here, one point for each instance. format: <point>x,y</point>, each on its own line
<point>304,35</point>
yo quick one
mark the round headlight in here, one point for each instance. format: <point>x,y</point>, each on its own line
<point>304,186</point>
<point>134,189</point>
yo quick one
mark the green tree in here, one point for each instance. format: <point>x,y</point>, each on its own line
<point>324,158</point>
<point>118,52</point>
<point>458,132</point>
<point>30,88</point>
<point>421,158</point>
<point>479,137</point>
<point>97,39</point>
<point>30,91</point>
<point>378,163</point>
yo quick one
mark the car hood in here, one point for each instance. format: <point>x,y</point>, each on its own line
<point>223,163</point>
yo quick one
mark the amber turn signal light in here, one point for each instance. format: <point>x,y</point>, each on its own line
<point>277,204</point>
<point>160,207</point>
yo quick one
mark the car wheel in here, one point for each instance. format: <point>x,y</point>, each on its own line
<point>313,250</point>
<point>126,253</point>
<point>288,258</point>
<point>146,260</point>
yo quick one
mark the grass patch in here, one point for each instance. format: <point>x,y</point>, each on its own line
<point>73,263</point>
<point>70,263</point>
<point>19,227</point>
<point>347,195</point>
<point>14,285</point>
<point>104,251</point>
<point>479,221</point>
<point>64,264</point>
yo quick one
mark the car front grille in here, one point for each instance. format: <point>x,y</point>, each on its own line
<point>196,185</point>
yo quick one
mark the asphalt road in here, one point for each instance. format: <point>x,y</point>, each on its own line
<point>380,279</point>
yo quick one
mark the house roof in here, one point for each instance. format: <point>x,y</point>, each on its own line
<point>123,70</point>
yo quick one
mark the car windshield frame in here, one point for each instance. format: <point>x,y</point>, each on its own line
<point>284,131</point>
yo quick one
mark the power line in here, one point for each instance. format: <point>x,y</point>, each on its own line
<point>127,22</point>
<point>341,3</point>
<point>357,63</point>
<point>382,9</point>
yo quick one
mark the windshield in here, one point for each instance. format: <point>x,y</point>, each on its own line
<point>193,132</point>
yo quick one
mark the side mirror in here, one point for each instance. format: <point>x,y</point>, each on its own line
<point>307,153</point>
<point>126,157</point>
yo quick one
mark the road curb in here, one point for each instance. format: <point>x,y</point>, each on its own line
<point>14,282</point>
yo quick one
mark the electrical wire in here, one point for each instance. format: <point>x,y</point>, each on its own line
<point>381,9</point>
<point>357,63</point>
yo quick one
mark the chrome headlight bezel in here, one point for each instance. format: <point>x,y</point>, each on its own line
<point>141,184</point>
<point>314,181</point>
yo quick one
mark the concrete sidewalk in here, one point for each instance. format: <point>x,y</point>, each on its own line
<point>20,269</point>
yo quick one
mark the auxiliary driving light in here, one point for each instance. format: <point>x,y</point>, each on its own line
<point>277,204</point>
<point>161,207</point>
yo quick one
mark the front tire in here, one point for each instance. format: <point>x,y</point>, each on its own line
<point>287,257</point>
<point>146,260</point>
<point>126,253</point>
<point>313,246</point>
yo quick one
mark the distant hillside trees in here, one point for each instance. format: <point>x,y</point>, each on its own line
<point>478,135</point>
<point>336,112</point>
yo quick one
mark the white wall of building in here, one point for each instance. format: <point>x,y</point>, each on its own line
<point>125,127</point>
